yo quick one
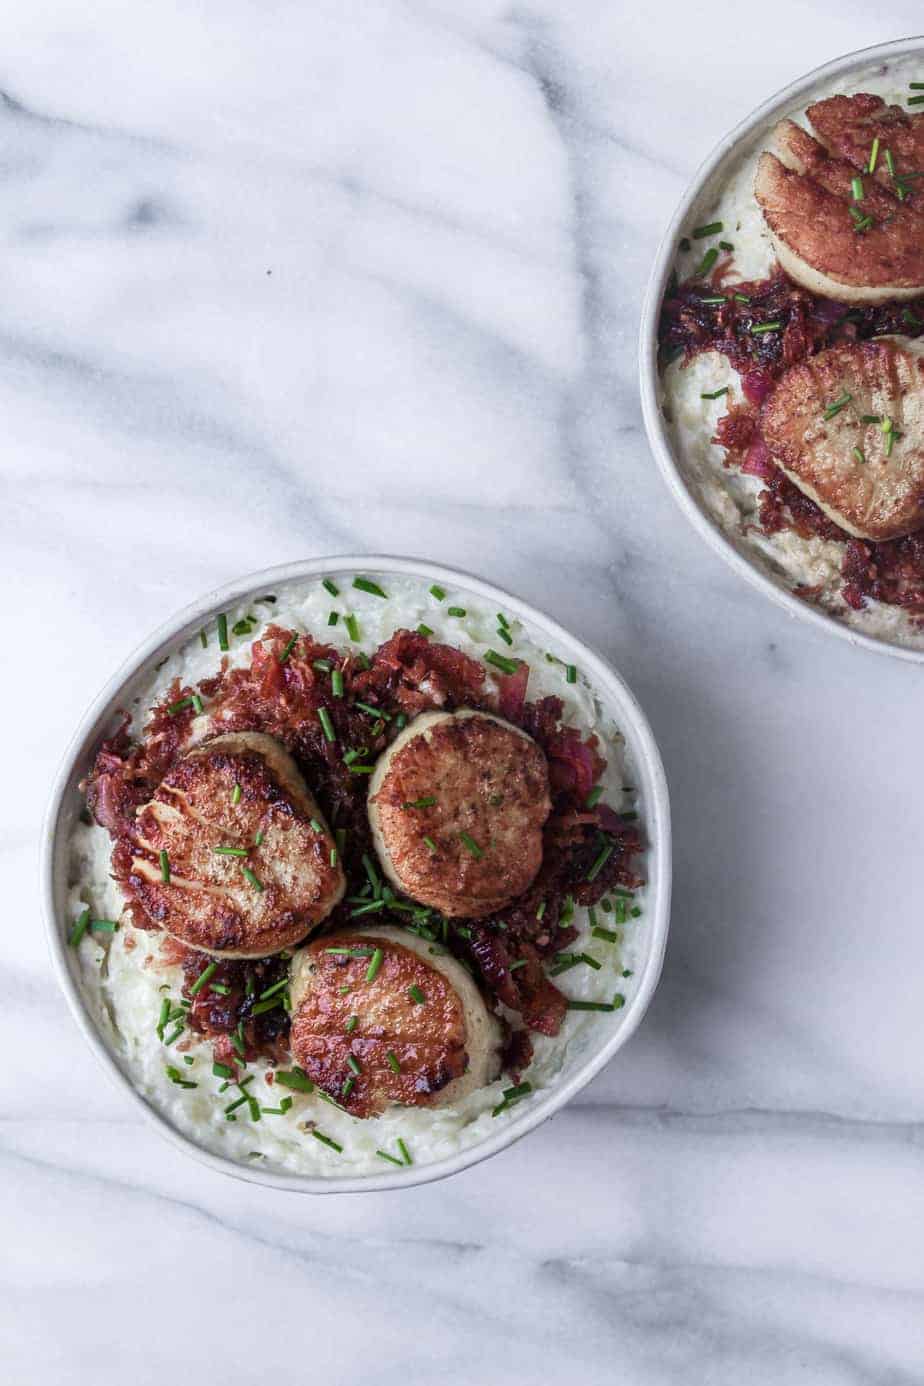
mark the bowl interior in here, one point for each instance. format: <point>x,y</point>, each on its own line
<point>743,141</point>
<point>584,1059</point>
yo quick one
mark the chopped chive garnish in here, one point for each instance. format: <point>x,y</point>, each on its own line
<point>504,635</point>
<point>80,928</point>
<point>427,802</point>
<point>715,394</point>
<point>175,1035</point>
<point>606,934</point>
<point>594,796</point>
<point>164,867</point>
<point>188,1059</point>
<point>873,156</point>
<point>348,1087</point>
<point>222,1070</point>
<point>288,649</point>
<point>760,327</point>
<point>352,626</point>
<point>351,1024</point>
<point>455,611</point>
<point>294,1078</point>
<point>257,885</point>
<point>859,455</point>
<point>889,435</point>
<point>176,1076</point>
<point>520,962</point>
<point>333,856</point>
<point>837,406</point>
<point>706,263</point>
<point>104,926</point>
<point>326,1140</point>
<point>438,592</point>
<point>327,725</point>
<point>262,1007</point>
<point>507,666</point>
<point>204,977</point>
<point>541,910</point>
<point>570,673</point>
<point>856,187</point>
<point>174,708</point>
<point>164,1014</point>
<point>915,100</point>
<point>871,418</point>
<point>713,229</point>
<point>331,587</point>
<point>605,853</point>
<point>353,1065</point>
<point>424,630</point>
<point>591,962</point>
<point>222,624</point>
<point>281,1110</point>
<point>367,585</point>
<point>726,245</point>
<point>333,618</point>
<point>316,825</point>
<point>229,851</point>
<point>336,683</point>
<point>393,1063</point>
<point>236,794</point>
<point>372,971</point>
<point>590,1006</point>
<point>430,843</point>
<point>204,640</point>
<point>741,298</point>
<point>373,711</point>
<point>471,845</point>
<point>416,995</point>
<point>371,907</point>
<point>274,989</point>
<point>890,162</point>
<point>916,86</point>
<point>404,1152</point>
<point>512,1096</point>
<point>383,1155</point>
<point>713,300</point>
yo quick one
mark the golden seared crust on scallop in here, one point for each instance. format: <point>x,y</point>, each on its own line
<point>225,894</point>
<point>849,125</point>
<point>379,1017</point>
<point>457,806</point>
<point>865,251</point>
<point>867,476</point>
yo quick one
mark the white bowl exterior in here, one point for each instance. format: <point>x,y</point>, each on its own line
<point>760,122</point>
<point>135,674</point>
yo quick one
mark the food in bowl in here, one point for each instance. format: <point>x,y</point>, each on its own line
<point>791,351</point>
<point>354,881</point>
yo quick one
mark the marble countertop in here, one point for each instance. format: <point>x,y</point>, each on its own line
<point>283,280</point>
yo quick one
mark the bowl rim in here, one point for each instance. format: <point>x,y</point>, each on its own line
<point>602,677</point>
<point>655,426</point>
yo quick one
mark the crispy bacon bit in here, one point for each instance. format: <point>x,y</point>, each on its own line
<point>513,692</point>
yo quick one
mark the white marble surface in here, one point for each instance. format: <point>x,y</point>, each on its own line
<point>282,279</point>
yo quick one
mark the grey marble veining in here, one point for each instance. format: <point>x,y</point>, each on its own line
<point>282,280</point>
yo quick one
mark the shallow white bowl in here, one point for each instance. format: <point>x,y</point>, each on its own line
<point>135,674</point>
<point>709,177</point>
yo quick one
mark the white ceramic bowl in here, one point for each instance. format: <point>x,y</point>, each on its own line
<point>66,802</point>
<point>708,179</point>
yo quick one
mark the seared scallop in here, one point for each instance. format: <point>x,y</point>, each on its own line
<point>233,855</point>
<point>852,127</point>
<point>380,1017</point>
<point>858,249</point>
<point>457,804</point>
<point>847,427</point>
